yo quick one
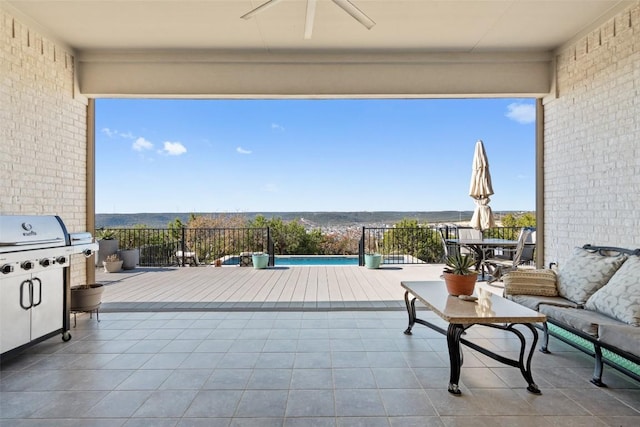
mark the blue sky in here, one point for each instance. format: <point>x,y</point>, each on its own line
<point>310,155</point>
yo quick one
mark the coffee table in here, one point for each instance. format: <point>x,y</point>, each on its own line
<point>489,310</point>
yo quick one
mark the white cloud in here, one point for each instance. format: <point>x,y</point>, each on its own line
<point>173,148</point>
<point>114,132</point>
<point>521,113</point>
<point>142,144</point>
<point>276,126</point>
<point>243,151</point>
<point>108,132</point>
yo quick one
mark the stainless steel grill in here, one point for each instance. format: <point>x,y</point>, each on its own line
<point>35,255</point>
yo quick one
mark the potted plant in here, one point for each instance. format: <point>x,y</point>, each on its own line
<point>86,297</point>
<point>112,263</point>
<point>260,260</point>
<point>458,275</point>
<point>130,254</point>
<point>107,244</point>
<point>373,258</point>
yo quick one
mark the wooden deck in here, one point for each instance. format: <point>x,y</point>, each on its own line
<point>245,288</point>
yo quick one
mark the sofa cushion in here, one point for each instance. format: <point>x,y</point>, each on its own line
<point>620,298</point>
<point>586,272</point>
<point>533,301</point>
<point>624,337</point>
<point>530,282</point>
<point>586,321</point>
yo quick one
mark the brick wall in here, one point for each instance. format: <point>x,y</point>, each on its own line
<point>592,141</point>
<point>42,130</point>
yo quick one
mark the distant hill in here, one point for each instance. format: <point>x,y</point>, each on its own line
<point>321,219</point>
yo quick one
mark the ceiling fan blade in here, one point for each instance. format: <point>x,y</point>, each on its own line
<point>356,13</point>
<point>308,23</point>
<point>260,8</point>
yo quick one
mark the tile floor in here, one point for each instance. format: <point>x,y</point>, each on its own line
<point>294,368</point>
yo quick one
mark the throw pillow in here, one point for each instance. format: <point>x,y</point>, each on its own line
<point>620,298</point>
<point>530,282</point>
<point>586,272</point>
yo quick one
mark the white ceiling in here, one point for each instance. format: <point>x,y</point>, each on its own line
<point>472,26</point>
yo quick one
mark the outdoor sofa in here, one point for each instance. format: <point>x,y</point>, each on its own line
<point>595,297</point>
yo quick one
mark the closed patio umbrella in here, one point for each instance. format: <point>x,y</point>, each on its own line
<point>480,189</point>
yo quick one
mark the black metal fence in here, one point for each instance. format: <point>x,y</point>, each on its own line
<point>166,247</point>
<point>226,246</point>
<point>401,245</point>
<point>417,245</point>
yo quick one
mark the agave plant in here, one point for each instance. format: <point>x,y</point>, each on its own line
<point>106,234</point>
<point>460,264</point>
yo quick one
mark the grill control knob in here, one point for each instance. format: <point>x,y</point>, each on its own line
<point>61,259</point>
<point>45,262</point>
<point>6,269</point>
<point>27,265</point>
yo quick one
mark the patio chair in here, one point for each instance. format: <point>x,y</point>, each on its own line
<point>528,253</point>
<point>465,233</point>
<point>468,234</point>
<point>445,247</point>
<point>187,257</point>
<point>497,267</point>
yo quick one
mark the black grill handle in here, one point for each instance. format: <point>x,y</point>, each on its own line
<point>30,283</point>
<point>39,282</point>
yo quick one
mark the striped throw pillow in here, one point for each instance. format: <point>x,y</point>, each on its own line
<point>530,282</point>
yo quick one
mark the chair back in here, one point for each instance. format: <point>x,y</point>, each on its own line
<point>469,233</point>
<point>529,249</point>
<point>522,240</point>
<point>444,245</point>
<point>466,234</point>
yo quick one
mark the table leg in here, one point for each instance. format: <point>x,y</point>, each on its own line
<point>480,250</point>
<point>454,331</point>
<point>525,368</point>
<point>411,312</point>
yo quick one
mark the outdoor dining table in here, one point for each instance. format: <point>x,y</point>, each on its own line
<point>480,247</point>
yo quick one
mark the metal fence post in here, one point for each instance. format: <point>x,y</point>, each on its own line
<point>183,246</point>
<point>270,249</point>
<point>361,249</point>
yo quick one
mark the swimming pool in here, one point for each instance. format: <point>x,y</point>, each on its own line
<point>292,260</point>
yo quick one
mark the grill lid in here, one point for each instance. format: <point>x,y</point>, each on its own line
<point>21,232</point>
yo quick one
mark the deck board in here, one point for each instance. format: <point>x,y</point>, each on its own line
<point>238,288</point>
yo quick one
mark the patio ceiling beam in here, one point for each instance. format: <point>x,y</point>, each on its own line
<point>297,74</point>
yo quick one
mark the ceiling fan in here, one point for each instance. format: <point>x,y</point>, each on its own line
<point>345,5</point>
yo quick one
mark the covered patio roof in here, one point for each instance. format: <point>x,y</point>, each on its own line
<point>416,48</point>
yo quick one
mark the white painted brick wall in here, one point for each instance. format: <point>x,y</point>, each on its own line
<point>592,141</point>
<point>42,131</point>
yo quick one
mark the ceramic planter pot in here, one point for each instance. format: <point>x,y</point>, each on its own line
<point>112,266</point>
<point>260,261</point>
<point>106,247</point>
<point>86,298</point>
<point>130,258</point>
<point>372,260</point>
<point>460,285</point>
